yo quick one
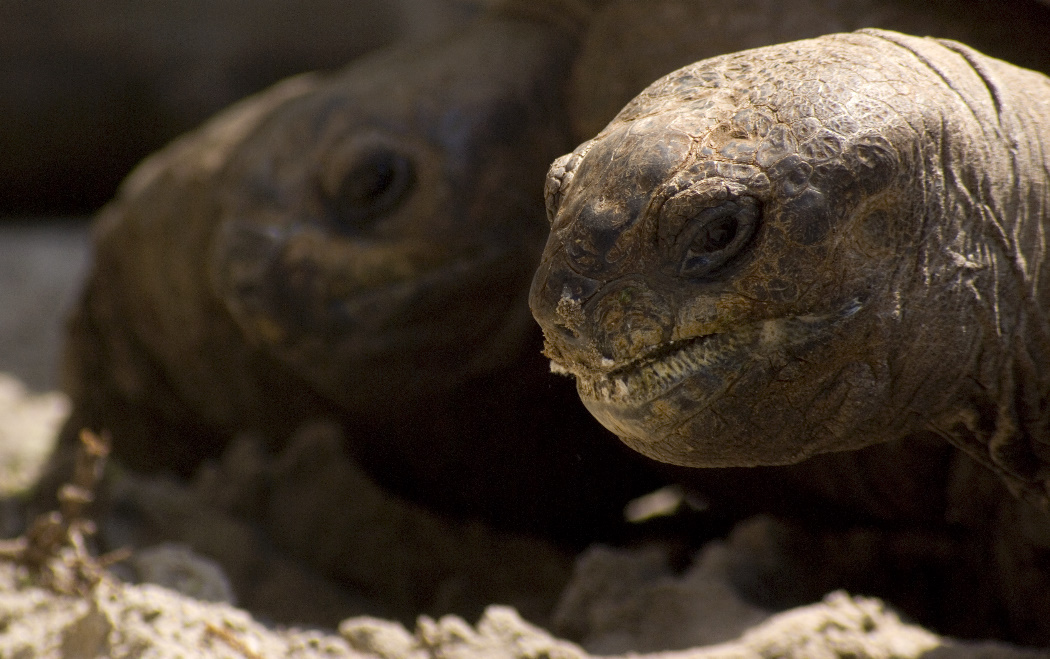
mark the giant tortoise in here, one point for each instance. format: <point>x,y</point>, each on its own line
<point>797,254</point>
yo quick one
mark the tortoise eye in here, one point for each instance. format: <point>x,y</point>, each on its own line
<point>376,184</point>
<point>714,236</point>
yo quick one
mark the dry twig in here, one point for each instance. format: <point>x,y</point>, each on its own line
<point>227,637</point>
<point>55,546</point>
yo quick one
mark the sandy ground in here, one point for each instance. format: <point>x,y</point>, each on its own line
<point>118,620</point>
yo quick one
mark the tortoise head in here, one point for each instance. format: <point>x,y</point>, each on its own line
<point>378,234</point>
<point>734,274</point>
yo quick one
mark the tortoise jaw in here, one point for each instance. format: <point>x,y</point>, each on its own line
<point>670,351</point>
<point>664,367</point>
<point>430,309</point>
<point>711,360</point>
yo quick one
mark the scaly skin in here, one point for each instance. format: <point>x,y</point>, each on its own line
<point>823,255</point>
<point>611,69</point>
<point>811,248</point>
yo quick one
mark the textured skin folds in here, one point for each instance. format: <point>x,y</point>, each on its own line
<point>893,283</point>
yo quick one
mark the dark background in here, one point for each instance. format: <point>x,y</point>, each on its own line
<point>87,89</point>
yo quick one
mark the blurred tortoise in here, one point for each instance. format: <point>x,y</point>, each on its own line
<point>360,246</point>
<point>357,247</point>
<point>825,247</point>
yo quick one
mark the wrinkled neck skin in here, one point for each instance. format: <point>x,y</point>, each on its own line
<point>810,248</point>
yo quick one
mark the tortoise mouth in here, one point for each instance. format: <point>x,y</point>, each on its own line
<point>369,307</point>
<point>446,295</point>
<point>711,361</point>
<point>672,352</point>
<point>667,366</point>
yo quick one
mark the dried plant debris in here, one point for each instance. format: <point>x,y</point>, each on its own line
<point>54,549</point>
<point>306,537</point>
<point>57,600</point>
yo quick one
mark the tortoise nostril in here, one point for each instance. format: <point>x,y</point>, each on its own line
<point>566,332</point>
<point>557,300</point>
<point>568,316</point>
<point>630,320</point>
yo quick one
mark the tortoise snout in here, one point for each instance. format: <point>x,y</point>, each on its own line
<point>629,319</point>
<point>557,299</point>
<point>597,324</point>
